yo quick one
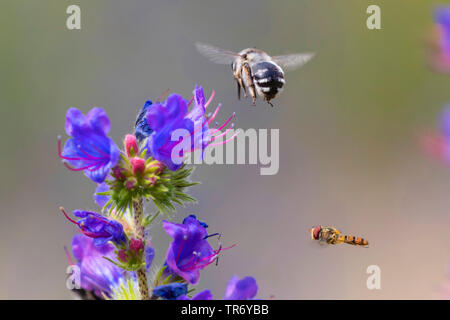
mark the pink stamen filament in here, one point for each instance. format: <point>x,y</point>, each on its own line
<point>99,162</point>
<point>190,101</point>
<point>210,144</point>
<point>226,122</point>
<point>94,235</point>
<point>208,121</point>
<point>78,169</point>
<point>215,130</point>
<point>87,233</point>
<point>69,258</point>
<point>88,156</point>
<point>181,248</point>
<point>214,115</point>
<point>100,150</point>
<point>223,142</point>
<point>210,99</point>
<point>60,153</point>
<point>174,143</point>
<point>221,135</point>
<point>67,217</point>
<point>216,252</point>
<point>163,95</point>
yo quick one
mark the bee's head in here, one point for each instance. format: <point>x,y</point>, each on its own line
<point>315,231</point>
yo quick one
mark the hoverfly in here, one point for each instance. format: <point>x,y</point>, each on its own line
<point>331,235</point>
<point>254,70</point>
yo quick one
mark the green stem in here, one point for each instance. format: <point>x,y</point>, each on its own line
<point>138,215</point>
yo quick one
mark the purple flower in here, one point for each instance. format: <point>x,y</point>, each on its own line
<point>97,274</point>
<point>437,144</point>
<point>176,132</point>
<point>149,256</point>
<point>89,148</point>
<point>244,289</point>
<point>445,134</point>
<point>170,291</point>
<point>445,122</point>
<point>203,224</point>
<point>203,295</point>
<point>101,200</point>
<point>189,251</point>
<point>98,227</point>
<point>442,19</point>
<point>439,41</point>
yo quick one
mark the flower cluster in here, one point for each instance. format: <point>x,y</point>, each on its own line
<point>114,252</point>
<point>173,131</point>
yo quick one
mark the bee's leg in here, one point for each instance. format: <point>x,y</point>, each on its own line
<point>240,84</point>
<point>243,88</point>
<point>238,90</point>
<point>268,101</point>
<point>251,84</point>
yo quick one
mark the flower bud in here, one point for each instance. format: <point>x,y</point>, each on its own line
<point>131,146</point>
<point>137,165</point>
<point>150,181</point>
<point>131,183</point>
<point>122,255</point>
<point>136,245</point>
<point>117,172</point>
<point>160,166</point>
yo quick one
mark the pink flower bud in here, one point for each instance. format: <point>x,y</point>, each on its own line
<point>117,172</point>
<point>131,146</point>
<point>122,256</point>
<point>137,165</point>
<point>131,183</point>
<point>136,245</point>
<point>150,180</point>
<point>160,166</point>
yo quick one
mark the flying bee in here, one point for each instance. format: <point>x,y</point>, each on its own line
<point>332,235</point>
<point>254,70</point>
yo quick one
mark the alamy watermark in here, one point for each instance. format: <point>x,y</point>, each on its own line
<point>237,146</point>
<point>73,21</point>
<point>373,22</point>
<point>374,280</point>
<point>74,279</point>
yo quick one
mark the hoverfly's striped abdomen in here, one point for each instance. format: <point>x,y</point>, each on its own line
<point>355,240</point>
<point>268,78</point>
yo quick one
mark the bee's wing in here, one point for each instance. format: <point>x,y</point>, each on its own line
<point>293,61</point>
<point>215,54</point>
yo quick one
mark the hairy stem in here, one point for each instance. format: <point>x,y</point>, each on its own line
<point>138,215</point>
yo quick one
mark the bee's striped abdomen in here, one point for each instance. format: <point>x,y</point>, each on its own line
<point>268,78</point>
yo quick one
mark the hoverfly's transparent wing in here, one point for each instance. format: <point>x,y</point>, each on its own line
<point>215,54</point>
<point>318,244</point>
<point>293,61</point>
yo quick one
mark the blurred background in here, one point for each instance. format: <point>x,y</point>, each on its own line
<point>349,125</point>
